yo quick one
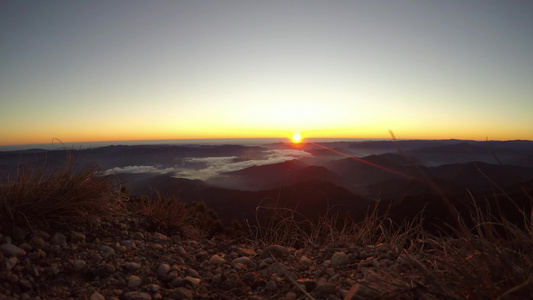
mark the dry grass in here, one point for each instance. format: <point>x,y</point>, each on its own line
<point>493,259</point>
<point>171,216</point>
<point>47,197</point>
<point>288,227</point>
<point>166,214</point>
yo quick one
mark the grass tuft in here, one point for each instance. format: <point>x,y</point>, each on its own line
<point>54,197</point>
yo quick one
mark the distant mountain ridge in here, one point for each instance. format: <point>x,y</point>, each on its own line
<point>309,177</point>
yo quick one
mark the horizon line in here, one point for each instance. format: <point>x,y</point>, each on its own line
<point>57,143</point>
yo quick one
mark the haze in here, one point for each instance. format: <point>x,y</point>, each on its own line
<point>138,70</point>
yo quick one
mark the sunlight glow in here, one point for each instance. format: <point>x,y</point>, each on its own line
<point>296,138</point>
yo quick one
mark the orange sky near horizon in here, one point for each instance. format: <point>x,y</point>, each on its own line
<point>109,71</point>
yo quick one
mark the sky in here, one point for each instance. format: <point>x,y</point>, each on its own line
<point>85,71</point>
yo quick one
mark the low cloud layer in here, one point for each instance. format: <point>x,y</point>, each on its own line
<point>139,170</point>
<point>212,166</point>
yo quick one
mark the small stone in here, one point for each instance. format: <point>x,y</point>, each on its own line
<point>275,250</point>
<point>277,269</point>
<point>271,286</point>
<point>26,247</point>
<point>132,266</point>
<point>309,284</point>
<point>325,289</point>
<point>97,296</point>
<point>163,269</point>
<point>136,295</point>
<point>181,251</point>
<point>58,239</point>
<point>193,273</point>
<point>106,251</point>
<point>249,278</point>
<point>216,279</point>
<point>339,259</point>
<point>201,255</point>
<point>175,239</point>
<point>182,293</point>
<point>121,249</point>
<point>177,281</point>
<point>54,269</point>
<point>78,265</point>
<point>42,234</point>
<point>194,281</point>
<point>11,262</point>
<point>165,242</point>
<point>41,253</point>
<point>290,296</point>
<point>242,260</point>
<point>138,235</point>
<point>134,281</point>
<point>12,250</point>
<point>160,236</point>
<point>305,261</point>
<point>26,296</point>
<point>129,244</point>
<point>25,283</point>
<point>37,242</point>
<point>155,287</point>
<point>246,251</point>
<point>77,237</point>
<point>216,260</point>
<point>13,278</point>
<point>117,292</point>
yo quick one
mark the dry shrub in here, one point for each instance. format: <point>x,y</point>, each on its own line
<point>168,215</point>
<point>52,197</point>
<point>288,227</point>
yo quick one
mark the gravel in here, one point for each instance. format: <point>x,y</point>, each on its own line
<point>122,259</point>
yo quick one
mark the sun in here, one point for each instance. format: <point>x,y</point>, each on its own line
<point>296,138</point>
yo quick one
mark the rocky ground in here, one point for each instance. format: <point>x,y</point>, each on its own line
<point>121,259</point>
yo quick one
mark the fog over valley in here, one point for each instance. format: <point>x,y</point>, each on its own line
<point>313,177</point>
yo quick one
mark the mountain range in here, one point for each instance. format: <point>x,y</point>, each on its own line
<point>248,182</point>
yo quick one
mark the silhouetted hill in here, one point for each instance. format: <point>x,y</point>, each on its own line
<point>272,175</point>
<point>311,198</point>
<point>400,188</point>
<point>358,173</point>
<point>479,176</point>
<point>465,152</point>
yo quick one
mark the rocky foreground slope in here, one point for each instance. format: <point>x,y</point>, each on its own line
<point>121,259</point>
